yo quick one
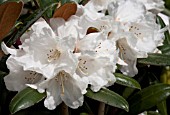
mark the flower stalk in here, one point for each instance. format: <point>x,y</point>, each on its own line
<point>101,109</point>
<point>64,109</point>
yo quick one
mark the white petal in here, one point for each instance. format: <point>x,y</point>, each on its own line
<point>41,27</point>
<point>153,5</point>
<point>89,42</point>
<point>102,78</point>
<point>72,96</point>
<point>88,11</point>
<point>56,23</point>
<point>125,12</point>
<point>98,4</point>
<point>7,50</point>
<point>53,93</point>
<point>17,79</point>
<point>129,55</point>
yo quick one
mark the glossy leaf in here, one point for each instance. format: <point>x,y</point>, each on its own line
<point>44,3</point>
<point>167,35</point>
<point>65,11</point>
<point>148,97</point>
<point>126,81</point>
<point>9,13</point>
<point>65,1</point>
<point>156,59</point>
<point>127,92</point>
<point>165,49</point>
<point>27,23</point>
<point>108,97</point>
<point>24,99</point>
<point>2,1</point>
<point>78,1</point>
<point>162,107</point>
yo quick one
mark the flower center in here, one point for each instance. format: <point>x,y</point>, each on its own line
<point>61,77</point>
<point>53,54</point>
<point>32,77</point>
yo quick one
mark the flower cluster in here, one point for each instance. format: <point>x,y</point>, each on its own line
<point>65,56</point>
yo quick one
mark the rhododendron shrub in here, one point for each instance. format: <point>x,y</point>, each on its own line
<point>84,57</point>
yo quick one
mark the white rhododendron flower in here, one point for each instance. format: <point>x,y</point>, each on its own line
<point>63,87</point>
<point>140,33</point>
<point>53,58</point>
<point>98,70</point>
<point>148,34</point>
<point>44,50</point>
<point>17,79</point>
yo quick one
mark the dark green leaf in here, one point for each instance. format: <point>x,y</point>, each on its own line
<point>126,81</point>
<point>65,1</point>
<point>108,97</point>
<point>167,4</point>
<point>156,59</point>
<point>27,23</point>
<point>148,97</point>
<point>165,49</point>
<point>162,108</point>
<point>2,1</point>
<point>127,92</point>
<point>78,1</point>
<point>167,35</point>
<point>44,3</point>
<point>152,113</point>
<point>25,99</point>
